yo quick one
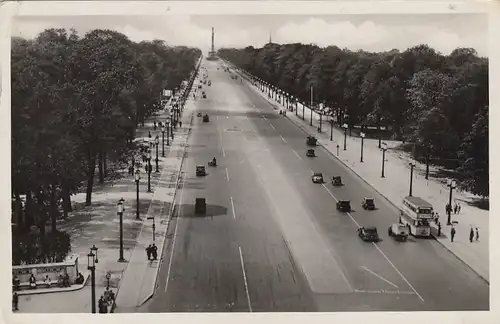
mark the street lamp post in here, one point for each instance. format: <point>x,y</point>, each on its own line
<point>331,128</point>
<point>412,165</point>
<point>92,260</point>
<point>384,148</point>
<point>120,213</point>
<point>362,142</point>
<point>345,126</point>
<point>137,178</point>
<point>157,141</point>
<point>452,184</point>
<point>162,141</point>
<point>148,170</point>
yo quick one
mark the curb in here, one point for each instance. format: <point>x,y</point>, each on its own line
<point>302,128</point>
<point>114,306</point>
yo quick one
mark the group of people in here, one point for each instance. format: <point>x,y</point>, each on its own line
<point>106,300</point>
<point>152,252</point>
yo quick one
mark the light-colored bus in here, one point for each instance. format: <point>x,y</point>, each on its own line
<point>416,213</point>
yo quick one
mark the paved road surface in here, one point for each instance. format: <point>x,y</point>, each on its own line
<point>273,241</point>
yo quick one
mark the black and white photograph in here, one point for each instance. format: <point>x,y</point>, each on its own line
<point>248,163</point>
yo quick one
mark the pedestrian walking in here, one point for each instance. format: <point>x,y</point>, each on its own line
<point>148,252</point>
<point>477,234</point>
<point>180,124</point>
<point>15,301</point>
<point>149,134</point>
<point>453,232</point>
<point>101,304</point>
<point>471,234</point>
<point>455,209</point>
<point>459,208</point>
<point>154,251</point>
<point>439,229</point>
<point>154,125</point>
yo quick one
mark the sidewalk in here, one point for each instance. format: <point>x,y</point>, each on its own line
<point>139,280</point>
<point>395,186</point>
<point>99,224</point>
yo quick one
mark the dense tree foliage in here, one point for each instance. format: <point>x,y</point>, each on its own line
<point>436,102</point>
<point>76,102</point>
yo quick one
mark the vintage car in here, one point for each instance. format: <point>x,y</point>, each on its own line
<point>317,177</point>
<point>344,206</point>
<point>204,95</point>
<point>368,203</point>
<point>336,181</point>
<point>310,153</point>
<point>206,119</point>
<point>198,114</point>
<point>398,231</point>
<point>209,83</point>
<point>311,140</point>
<point>368,234</point>
<point>199,86</point>
<point>200,206</point>
<point>200,171</point>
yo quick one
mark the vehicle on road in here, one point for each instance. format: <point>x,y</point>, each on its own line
<point>368,203</point>
<point>200,171</point>
<point>368,234</point>
<point>209,83</point>
<point>344,206</point>
<point>199,86</point>
<point>416,213</point>
<point>310,153</point>
<point>311,141</point>
<point>398,231</point>
<point>206,119</point>
<point>337,181</point>
<point>317,177</point>
<point>200,206</point>
<point>212,163</point>
<point>204,95</point>
<point>198,114</point>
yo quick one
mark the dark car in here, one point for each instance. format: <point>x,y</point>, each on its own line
<point>311,141</point>
<point>336,181</point>
<point>198,114</point>
<point>368,234</point>
<point>344,206</point>
<point>310,153</point>
<point>200,171</point>
<point>204,95</point>
<point>368,203</point>
<point>317,177</point>
<point>200,206</point>
<point>206,119</point>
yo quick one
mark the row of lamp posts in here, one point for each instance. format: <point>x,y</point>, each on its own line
<point>92,255</point>
<point>271,90</point>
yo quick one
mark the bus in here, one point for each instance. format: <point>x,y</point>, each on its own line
<point>416,213</point>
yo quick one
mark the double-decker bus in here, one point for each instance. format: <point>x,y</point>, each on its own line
<point>416,213</point>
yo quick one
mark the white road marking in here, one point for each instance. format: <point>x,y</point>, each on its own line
<point>175,236</point>
<point>283,139</point>
<point>245,278</point>
<point>392,264</point>
<point>297,154</point>
<point>232,207</point>
<point>227,175</point>
<point>223,152</point>
<point>272,126</point>
<point>380,277</point>
<point>264,117</point>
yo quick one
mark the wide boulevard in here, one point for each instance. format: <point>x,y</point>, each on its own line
<point>271,240</point>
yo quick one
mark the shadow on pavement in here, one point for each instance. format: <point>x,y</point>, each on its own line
<point>212,210</point>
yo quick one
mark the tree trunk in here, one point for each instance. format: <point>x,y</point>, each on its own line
<point>90,177</point>
<point>105,163</point>
<point>66,200</point>
<point>42,212</point>
<point>53,208</point>
<point>28,210</point>
<point>18,211</point>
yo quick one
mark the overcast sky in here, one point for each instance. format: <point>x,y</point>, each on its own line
<point>443,32</point>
